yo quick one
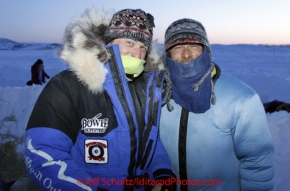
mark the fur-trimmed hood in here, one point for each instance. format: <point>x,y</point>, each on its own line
<point>83,49</point>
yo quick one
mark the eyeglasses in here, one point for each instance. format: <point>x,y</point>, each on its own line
<point>190,47</point>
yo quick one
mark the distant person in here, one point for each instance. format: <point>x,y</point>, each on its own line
<point>95,126</point>
<point>217,135</point>
<point>38,74</point>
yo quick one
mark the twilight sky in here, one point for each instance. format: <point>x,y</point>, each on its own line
<point>226,21</point>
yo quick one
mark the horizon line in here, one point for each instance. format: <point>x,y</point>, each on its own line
<point>269,44</point>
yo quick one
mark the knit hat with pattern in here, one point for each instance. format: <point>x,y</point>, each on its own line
<point>131,23</point>
<point>185,31</point>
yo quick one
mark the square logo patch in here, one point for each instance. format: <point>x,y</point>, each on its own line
<point>96,151</point>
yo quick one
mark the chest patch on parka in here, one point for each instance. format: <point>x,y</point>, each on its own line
<point>95,124</point>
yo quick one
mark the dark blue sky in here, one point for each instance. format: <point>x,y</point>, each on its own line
<point>226,21</point>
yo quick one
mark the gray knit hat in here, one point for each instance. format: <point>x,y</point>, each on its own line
<point>131,23</point>
<point>185,31</point>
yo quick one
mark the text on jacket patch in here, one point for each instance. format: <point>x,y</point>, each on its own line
<point>96,151</point>
<point>95,125</point>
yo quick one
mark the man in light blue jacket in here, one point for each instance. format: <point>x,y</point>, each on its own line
<point>214,127</point>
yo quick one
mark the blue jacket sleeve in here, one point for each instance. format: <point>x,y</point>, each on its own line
<point>50,135</point>
<point>160,165</point>
<point>254,147</point>
<point>49,163</point>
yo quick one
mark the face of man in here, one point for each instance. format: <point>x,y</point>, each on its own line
<point>130,47</point>
<point>184,53</point>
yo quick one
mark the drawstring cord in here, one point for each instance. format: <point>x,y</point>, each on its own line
<point>196,85</point>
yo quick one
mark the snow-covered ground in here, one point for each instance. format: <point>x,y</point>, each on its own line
<point>266,69</point>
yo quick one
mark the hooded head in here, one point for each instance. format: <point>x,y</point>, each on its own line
<point>185,31</point>
<point>195,74</point>
<point>83,47</point>
<point>131,23</point>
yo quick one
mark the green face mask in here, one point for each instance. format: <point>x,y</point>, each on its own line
<point>133,66</point>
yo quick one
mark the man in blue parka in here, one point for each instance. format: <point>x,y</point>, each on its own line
<point>217,135</point>
<point>95,126</point>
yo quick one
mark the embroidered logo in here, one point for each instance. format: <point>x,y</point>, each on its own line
<point>94,125</point>
<point>96,151</point>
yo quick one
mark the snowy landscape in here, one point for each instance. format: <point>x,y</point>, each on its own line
<point>265,68</point>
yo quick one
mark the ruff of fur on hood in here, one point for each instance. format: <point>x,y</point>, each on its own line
<point>83,49</point>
